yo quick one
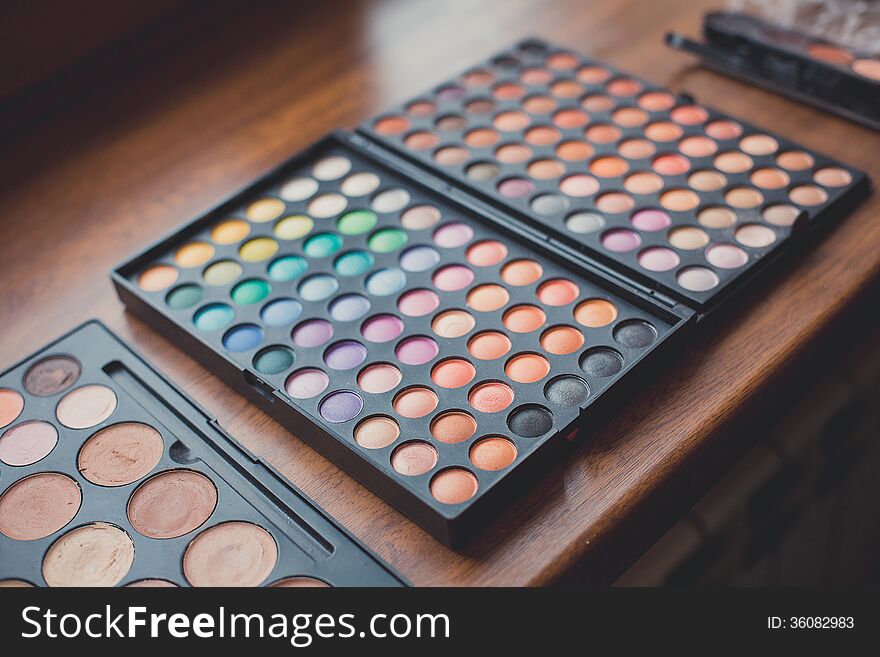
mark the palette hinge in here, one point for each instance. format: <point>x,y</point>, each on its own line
<point>585,262</point>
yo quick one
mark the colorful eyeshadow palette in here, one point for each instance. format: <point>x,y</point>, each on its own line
<point>109,476</point>
<point>830,76</point>
<point>667,192</point>
<point>422,341</point>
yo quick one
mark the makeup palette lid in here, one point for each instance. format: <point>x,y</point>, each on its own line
<point>669,194</point>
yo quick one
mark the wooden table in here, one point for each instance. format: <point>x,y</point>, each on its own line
<point>204,104</point>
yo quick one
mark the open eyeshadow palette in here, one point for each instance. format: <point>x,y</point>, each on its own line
<point>680,197</point>
<point>109,476</point>
<point>441,340</point>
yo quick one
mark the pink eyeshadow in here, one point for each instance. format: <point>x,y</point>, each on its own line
<point>306,384</point>
<point>620,240</point>
<point>453,235</point>
<point>417,350</point>
<point>382,328</point>
<point>416,303</point>
<point>651,220</point>
<point>453,277</point>
<point>659,258</point>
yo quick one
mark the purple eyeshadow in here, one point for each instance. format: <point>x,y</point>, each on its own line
<point>382,328</point>
<point>417,350</point>
<point>340,406</point>
<point>312,333</point>
<point>345,355</point>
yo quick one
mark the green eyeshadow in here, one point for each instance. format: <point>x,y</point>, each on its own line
<point>184,296</point>
<point>356,222</point>
<point>273,360</point>
<point>387,240</point>
<point>250,292</point>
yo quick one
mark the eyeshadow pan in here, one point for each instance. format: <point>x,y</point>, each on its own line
<point>306,383</point>
<point>345,354</point>
<point>697,279</point>
<point>51,375</point>
<point>491,397</point>
<point>454,486</point>
<point>230,554</point>
<point>527,368</point>
<point>376,432</point>
<point>562,340</point>
<point>11,406</point>
<point>415,402</point>
<point>264,210</point>
<point>243,337</point>
<point>172,503</point>
<point>355,222</point>
<point>294,227</point>
<point>318,287</point>
<point>184,296</point>
<point>157,277</point>
<point>486,253</point>
<point>420,217</point>
<point>353,263</point>
<point>595,313</point>
<point>521,272</point>
<point>635,334</point>
<point>386,240</point>
<point>86,407</point>
<point>530,421</point>
<point>97,554</point>
<point>453,427</point>
<point>558,292</point>
<point>194,254</point>
<point>489,345</point>
<point>274,360</point>
<point>382,328</point>
<point>567,391</point>
<point>298,189</point>
<point>584,222</point>
<point>453,373</point>
<point>27,442</point>
<point>450,278</point>
<point>281,312</point>
<point>286,268</point>
<point>493,453</point>
<point>486,298</point>
<point>349,307</point>
<point>213,316</point>
<point>453,323</point>
<point>38,506</point>
<point>341,406</point>
<point>417,303</point>
<point>416,350</point>
<point>360,184</point>
<point>525,318</point>
<point>379,378</point>
<point>230,231</point>
<point>222,272</point>
<point>250,292</point>
<point>312,333</point>
<point>450,236</point>
<point>601,362</point>
<point>419,258</point>
<point>414,458</point>
<point>120,454</point>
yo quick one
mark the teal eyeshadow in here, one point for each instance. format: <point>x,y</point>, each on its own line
<point>322,245</point>
<point>213,316</point>
<point>287,268</point>
<point>356,222</point>
<point>184,296</point>
<point>353,263</point>
<point>387,240</point>
<point>250,292</point>
<point>273,360</point>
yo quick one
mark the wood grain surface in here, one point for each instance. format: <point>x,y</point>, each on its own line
<point>206,103</point>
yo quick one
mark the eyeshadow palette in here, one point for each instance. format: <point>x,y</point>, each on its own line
<point>432,349</point>
<point>824,74</point>
<point>109,476</point>
<point>666,191</point>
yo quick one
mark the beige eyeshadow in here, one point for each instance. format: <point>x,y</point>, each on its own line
<point>98,554</point>
<point>38,506</point>
<point>86,406</point>
<point>120,454</point>
<point>230,554</point>
<point>172,503</point>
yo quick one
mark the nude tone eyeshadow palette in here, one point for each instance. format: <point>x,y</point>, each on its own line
<point>109,476</point>
<point>442,340</point>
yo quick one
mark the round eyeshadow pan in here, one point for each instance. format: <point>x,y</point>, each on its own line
<point>382,328</point>
<point>525,318</point>
<point>453,486</point>
<point>567,391</point>
<point>286,268</point>
<point>527,368</point>
<point>97,554</point>
<point>233,553</point>
<point>491,397</point>
<point>184,296</point>
<point>489,345</point>
<point>376,432</point>
<point>281,312</point>
<point>306,383</point>
<point>601,362</point>
<point>38,505</point>
<point>157,277</point>
<point>120,454</point>
<point>274,360</point>
<point>386,240</point>
<point>450,278</point>
<point>416,350</point>
<point>212,317</point>
<point>340,406</point>
<point>634,334</point>
<point>530,421</point>
<point>415,402</point>
<point>356,222</point>
<point>493,453</point>
<point>420,217</point>
<point>27,442</point>
<point>349,307</point>
<point>250,292</point>
<point>385,282</point>
<point>243,337</point>
<point>595,313</point>
<point>414,458</point>
<point>557,292</point>
<point>453,373</point>
<point>453,323</point>
<point>488,297</point>
<point>453,427</point>
<point>51,375</point>
<point>86,406</point>
<point>561,340</point>
<point>417,303</point>
<point>345,354</point>
<point>294,227</point>
<point>172,503</point>
<point>353,263</point>
<point>486,253</point>
<point>450,236</point>
<point>318,287</point>
<point>419,258</point>
<point>312,333</point>
<point>11,406</point>
<point>379,378</point>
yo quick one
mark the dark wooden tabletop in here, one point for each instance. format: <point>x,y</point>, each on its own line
<point>201,105</point>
